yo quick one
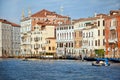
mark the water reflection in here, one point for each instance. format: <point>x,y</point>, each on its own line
<point>15,69</point>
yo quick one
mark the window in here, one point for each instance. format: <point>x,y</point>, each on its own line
<point>92,34</point>
<point>103,32</point>
<point>98,23</point>
<point>49,48</point>
<point>92,43</point>
<point>72,45</point>
<point>69,27</point>
<point>89,43</point>
<point>98,42</point>
<point>72,27</point>
<point>86,35</point>
<point>69,44</point>
<point>95,42</point>
<point>70,35</point>
<point>89,34</point>
<point>66,45</point>
<point>98,32</point>
<point>103,23</point>
<point>53,48</point>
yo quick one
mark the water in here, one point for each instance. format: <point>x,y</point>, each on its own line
<point>16,69</point>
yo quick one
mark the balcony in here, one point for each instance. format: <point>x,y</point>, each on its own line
<point>114,40</point>
<point>111,41</point>
<point>36,39</point>
<point>113,28</point>
<point>26,43</point>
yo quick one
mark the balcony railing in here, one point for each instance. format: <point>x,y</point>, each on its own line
<point>113,28</point>
<point>25,43</point>
<point>111,40</point>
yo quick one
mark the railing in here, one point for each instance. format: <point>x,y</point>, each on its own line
<point>113,28</point>
<point>111,40</point>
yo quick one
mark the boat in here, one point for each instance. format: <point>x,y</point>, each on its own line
<point>101,62</point>
<point>25,59</point>
<point>115,60</point>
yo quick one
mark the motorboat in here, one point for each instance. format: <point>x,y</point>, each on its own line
<point>101,62</point>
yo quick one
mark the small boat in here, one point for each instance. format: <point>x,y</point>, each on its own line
<point>102,62</point>
<point>25,59</point>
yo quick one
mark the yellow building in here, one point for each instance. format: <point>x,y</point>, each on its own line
<point>50,47</point>
<point>38,39</point>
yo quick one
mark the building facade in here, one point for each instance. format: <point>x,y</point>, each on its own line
<point>93,37</point>
<point>112,34</point>
<point>65,40</point>
<point>16,40</point>
<point>39,38</point>
<point>8,39</point>
<point>51,47</point>
<point>36,28</point>
<point>78,28</point>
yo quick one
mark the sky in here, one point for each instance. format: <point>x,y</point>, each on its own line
<point>12,9</point>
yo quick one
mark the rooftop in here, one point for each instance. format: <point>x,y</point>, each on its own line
<point>8,22</point>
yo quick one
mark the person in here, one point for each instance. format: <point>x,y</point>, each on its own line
<point>97,61</point>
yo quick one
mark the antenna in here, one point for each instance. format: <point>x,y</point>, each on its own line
<point>61,10</point>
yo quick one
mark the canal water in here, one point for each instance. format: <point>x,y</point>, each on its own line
<point>16,69</point>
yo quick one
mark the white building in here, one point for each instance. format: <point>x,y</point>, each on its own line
<point>25,37</point>
<point>16,40</point>
<point>65,40</point>
<point>7,38</point>
<point>93,36</point>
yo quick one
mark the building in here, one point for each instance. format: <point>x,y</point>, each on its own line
<point>89,36</point>
<point>36,28</point>
<point>65,40</point>
<point>15,40</point>
<point>9,38</point>
<point>78,38</point>
<point>39,38</point>
<point>112,34</point>
<point>51,47</point>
